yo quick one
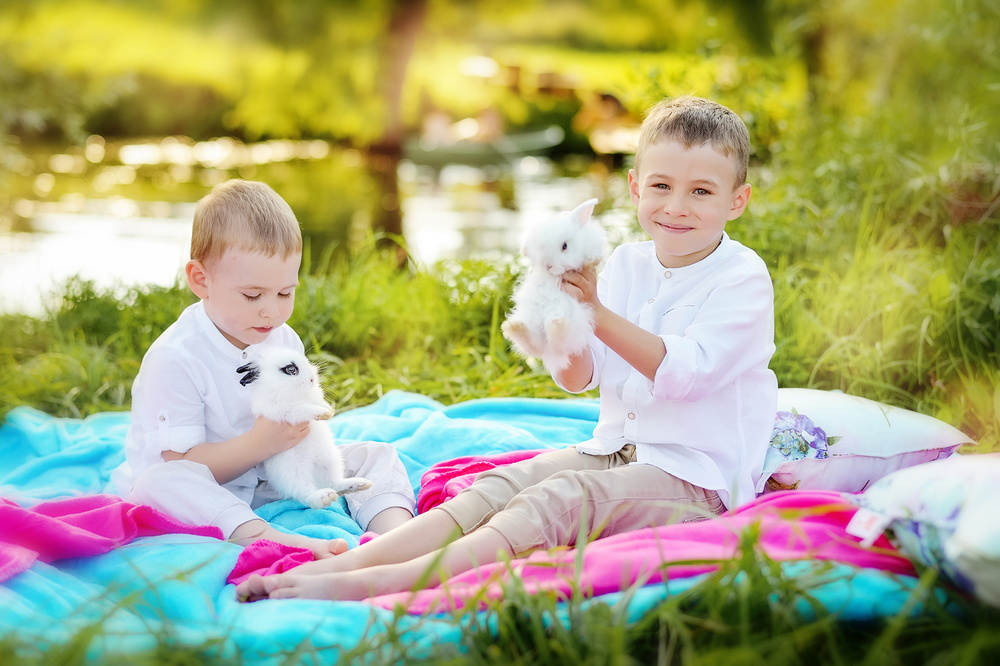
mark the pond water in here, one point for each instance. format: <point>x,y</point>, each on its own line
<point>117,242</point>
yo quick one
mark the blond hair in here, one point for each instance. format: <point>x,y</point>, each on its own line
<point>694,121</point>
<point>247,216</point>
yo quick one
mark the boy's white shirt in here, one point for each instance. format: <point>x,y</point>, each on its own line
<point>708,416</point>
<point>188,392</point>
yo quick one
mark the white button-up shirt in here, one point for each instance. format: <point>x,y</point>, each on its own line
<point>188,392</point>
<point>707,417</point>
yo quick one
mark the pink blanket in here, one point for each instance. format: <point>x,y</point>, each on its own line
<point>78,527</point>
<point>794,525</point>
<point>446,479</point>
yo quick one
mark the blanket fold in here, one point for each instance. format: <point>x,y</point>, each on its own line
<point>78,527</point>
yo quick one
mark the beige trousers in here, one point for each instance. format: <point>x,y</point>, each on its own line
<point>542,502</point>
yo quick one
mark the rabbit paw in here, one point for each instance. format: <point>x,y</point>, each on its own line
<point>520,334</point>
<point>354,484</point>
<point>322,498</point>
<point>309,412</point>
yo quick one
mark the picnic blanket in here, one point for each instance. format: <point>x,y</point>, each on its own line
<point>140,579</point>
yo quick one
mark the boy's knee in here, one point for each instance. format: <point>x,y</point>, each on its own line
<point>165,478</point>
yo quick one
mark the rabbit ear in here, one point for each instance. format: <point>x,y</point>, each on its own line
<point>582,213</point>
<point>252,371</point>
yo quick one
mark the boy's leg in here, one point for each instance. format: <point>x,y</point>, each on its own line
<point>382,506</point>
<point>188,492</point>
<point>460,515</point>
<point>492,490</point>
<point>619,499</point>
<point>479,547</point>
<point>608,495</point>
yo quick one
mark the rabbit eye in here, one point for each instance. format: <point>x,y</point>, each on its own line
<point>565,245</point>
<point>291,369</point>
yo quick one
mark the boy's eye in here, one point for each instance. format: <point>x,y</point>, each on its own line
<point>701,190</point>
<point>286,295</point>
<point>251,298</point>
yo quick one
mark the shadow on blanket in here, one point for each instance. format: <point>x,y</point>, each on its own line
<point>140,577</point>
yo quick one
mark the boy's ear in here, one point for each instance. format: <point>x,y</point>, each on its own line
<point>197,278</point>
<point>741,197</point>
<point>633,186</point>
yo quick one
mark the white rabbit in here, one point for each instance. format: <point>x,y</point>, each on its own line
<point>546,322</point>
<point>284,386</point>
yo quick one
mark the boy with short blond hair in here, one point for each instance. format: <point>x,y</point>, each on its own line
<point>194,449</point>
<point>683,334</point>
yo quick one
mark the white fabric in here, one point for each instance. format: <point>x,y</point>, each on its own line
<point>708,416</point>
<point>943,514</point>
<point>829,440</point>
<point>188,392</point>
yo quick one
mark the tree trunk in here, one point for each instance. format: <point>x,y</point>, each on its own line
<point>385,154</point>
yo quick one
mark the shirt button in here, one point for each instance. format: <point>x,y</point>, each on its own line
<point>631,416</point>
<point>651,300</point>
<point>244,354</point>
<point>667,274</point>
<point>162,417</point>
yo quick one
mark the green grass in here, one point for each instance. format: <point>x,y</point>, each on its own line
<point>752,610</point>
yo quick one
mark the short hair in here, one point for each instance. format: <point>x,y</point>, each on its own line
<point>694,121</point>
<point>245,215</point>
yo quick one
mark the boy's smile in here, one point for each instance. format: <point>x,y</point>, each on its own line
<point>246,295</point>
<point>684,198</point>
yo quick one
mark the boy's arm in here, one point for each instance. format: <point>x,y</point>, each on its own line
<point>641,349</point>
<point>230,459</point>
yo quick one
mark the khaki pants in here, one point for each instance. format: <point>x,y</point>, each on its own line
<point>541,502</point>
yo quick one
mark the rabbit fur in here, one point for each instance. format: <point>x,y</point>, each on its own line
<point>546,322</point>
<point>284,386</point>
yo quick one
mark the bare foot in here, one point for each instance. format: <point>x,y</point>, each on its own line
<point>253,530</point>
<point>340,586</point>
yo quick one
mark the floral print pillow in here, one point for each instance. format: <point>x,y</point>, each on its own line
<point>828,440</point>
<point>944,515</point>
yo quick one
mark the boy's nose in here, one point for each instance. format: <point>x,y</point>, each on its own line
<point>268,310</point>
<point>675,205</point>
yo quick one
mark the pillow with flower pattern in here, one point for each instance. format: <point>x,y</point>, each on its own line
<point>942,514</point>
<point>829,440</point>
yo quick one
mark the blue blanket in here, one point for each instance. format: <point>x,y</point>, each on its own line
<point>171,589</point>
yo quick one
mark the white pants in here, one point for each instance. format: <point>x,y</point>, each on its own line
<point>187,491</point>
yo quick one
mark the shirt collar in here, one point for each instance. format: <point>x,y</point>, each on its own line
<point>696,268</point>
<point>208,328</point>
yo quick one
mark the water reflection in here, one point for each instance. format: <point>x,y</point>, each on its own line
<point>453,211</point>
<point>95,245</point>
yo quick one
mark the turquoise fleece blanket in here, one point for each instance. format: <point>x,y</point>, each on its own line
<point>170,588</point>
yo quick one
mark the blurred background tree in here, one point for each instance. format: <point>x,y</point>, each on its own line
<point>375,75</point>
<point>874,125</point>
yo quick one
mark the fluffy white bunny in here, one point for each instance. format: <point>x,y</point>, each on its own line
<point>284,386</point>
<point>546,322</point>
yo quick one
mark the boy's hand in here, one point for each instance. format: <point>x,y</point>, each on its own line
<point>581,285</point>
<point>278,436</point>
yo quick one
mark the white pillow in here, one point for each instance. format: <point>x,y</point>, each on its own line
<point>828,440</point>
<point>942,514</point>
